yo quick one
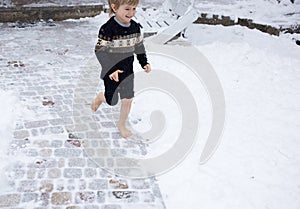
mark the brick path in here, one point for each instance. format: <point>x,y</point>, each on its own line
<point>53,69</point>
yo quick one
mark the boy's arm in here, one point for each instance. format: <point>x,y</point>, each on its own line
<point>140,50</point>
<point>106,61</point>
<point>141,54</point>
<point>104,57</point>
<point>142,57</point>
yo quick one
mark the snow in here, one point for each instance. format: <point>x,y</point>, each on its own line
<point>257,163</point>
<point>9,113</point>
<point>261,11</point>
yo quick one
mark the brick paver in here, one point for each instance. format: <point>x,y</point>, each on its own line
<point>54,71</point>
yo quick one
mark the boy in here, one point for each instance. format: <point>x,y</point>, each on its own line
<point>119,38</point>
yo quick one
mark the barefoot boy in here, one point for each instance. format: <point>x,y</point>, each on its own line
<point>119,39</point>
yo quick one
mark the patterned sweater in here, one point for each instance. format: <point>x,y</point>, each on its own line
<point>116,45</point>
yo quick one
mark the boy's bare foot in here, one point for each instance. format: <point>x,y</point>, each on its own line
<point>124,131</point>
<point>97,102</point>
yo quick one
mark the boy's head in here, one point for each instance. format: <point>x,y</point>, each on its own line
<point>124,10</point>
<point>118,3</point>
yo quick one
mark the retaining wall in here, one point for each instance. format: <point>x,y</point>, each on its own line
<point>227,21</point>
<point>13,14</point>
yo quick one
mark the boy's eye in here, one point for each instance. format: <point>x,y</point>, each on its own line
<point>130,9</point>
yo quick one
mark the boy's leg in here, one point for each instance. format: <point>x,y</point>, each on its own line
<point>125,109</point>
<point>126,93</point>
<point>110,96</point>
<point>98,101</point>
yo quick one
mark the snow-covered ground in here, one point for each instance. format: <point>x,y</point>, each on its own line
<point>257,163</point>
<point>9,110</point>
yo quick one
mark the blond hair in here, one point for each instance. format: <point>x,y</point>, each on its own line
<point>118,3</point>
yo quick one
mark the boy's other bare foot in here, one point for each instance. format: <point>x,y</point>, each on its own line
<point>125,133</point>
<point>97,102</point>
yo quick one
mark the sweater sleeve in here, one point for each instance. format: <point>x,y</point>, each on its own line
<point>102,53</point>
<point>140,50</point>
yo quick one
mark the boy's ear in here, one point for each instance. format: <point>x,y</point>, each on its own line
<point>113,7</point>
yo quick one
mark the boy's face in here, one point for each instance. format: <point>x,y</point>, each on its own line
<point>125,12</point>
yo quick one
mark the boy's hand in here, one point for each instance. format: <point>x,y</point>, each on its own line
<point>147,68</point>
<point>115,75</point>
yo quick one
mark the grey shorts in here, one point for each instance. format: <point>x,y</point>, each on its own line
<point>113,89</point>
